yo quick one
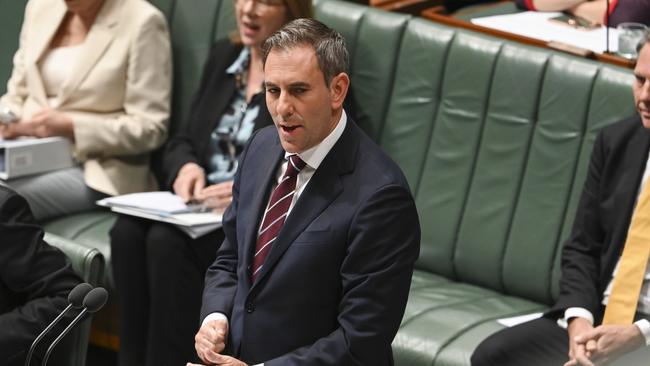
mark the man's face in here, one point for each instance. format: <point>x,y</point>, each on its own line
<point>641,86</point>
<point>304,109</point>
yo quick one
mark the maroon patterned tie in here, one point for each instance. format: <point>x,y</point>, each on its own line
<point>276,213</point>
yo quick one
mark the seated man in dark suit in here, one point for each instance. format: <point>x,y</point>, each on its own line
<point>328,285</point>
<point>605,274</point>
<point>35,279</point>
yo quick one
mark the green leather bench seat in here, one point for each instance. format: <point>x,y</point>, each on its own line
<point>91,230</point>
<point>440,312</point>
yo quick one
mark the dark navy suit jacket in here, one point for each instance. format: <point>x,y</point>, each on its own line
<point>335,284</point>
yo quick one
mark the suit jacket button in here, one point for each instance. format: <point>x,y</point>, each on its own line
<point>250,307</point>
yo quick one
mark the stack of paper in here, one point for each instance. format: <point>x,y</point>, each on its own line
<point>538,25</point>
<point>165,207</point>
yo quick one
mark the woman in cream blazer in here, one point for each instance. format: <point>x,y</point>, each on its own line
<point>113,105</point>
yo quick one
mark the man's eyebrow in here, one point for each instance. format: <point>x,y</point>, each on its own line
<point>299,84</point>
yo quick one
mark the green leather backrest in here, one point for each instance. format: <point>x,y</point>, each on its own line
<point>11,18</point>
<point>89,264</point>
<point>373,37</point>
<point>493,137</point>
<point>509,132</point>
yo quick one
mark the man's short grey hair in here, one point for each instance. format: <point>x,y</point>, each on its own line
<point>329,45</point>
<point>645,40</point>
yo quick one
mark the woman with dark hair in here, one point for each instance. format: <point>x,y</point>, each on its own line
<point>158,269</point>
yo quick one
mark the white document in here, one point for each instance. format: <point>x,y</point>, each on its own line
<point>164,207</point>
<point>162,202</point>
<point>537,25</point>
<point>516,320</point>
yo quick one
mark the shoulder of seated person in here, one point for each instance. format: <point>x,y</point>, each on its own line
<point>139,12</point>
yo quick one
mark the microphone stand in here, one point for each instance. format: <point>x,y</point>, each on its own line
<point>92,302</point>
<point>65,331</point>
<point>30,353</point>
<point>607,28</point>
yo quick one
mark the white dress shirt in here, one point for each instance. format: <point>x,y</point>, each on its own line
<point>313,156</point>
<point>56,67</point>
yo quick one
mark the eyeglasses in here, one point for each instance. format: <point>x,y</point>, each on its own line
<point>266,3</point>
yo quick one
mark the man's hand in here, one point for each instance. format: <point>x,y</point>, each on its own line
<point>578,353</point>
<point>223,360</point>
<point>210,340</point>
<point>190,181</point>
<point>608,342</point>
<point>217,196</point>
<point>45,123</point>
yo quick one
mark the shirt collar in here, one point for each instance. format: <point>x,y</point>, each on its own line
<point>239,63</point>
<point>314,156</point>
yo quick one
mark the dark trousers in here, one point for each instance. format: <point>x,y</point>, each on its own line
<point>539,342</point>
<point>159,273</point>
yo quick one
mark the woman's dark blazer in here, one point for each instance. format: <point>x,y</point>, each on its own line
<point>191,141</point>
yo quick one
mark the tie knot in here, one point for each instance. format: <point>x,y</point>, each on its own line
<point>295,165</point>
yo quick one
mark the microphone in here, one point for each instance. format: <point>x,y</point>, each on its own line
<point>75,300</point>
<point>93,301</point>
<point>607,27</point>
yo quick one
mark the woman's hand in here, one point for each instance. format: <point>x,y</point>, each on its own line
<point>217,196</point>
<point>45,123</point>
<point>189,181</point>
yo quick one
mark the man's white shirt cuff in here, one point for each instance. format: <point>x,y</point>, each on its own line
<point>644,327</point>
<point>214,316</point>
<point>642,324</point>
<point>575,313</point>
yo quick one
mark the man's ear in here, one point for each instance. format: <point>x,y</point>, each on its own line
<point>339,89</point>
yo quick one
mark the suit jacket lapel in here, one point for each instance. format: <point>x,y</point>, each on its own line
<point>324,186</point>
<point>632,176</point>
<point>100,36</point>
<point>39,43</point>
<point>268,165</point>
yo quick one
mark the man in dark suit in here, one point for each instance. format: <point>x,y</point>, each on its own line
<point>35,279</point>
<point>328,285</point>
<point>618,172</point>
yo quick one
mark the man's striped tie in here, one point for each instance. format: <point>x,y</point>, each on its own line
<point>276,213</point>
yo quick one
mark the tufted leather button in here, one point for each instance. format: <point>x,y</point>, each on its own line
<point>250,307</point>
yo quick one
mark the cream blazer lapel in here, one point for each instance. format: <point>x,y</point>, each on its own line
<point>47,25</point>
<point>97,40</point>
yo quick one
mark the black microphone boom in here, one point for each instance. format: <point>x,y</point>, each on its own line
<point>75,300</point>
<point>607,27</point>
<point>93,301</point>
